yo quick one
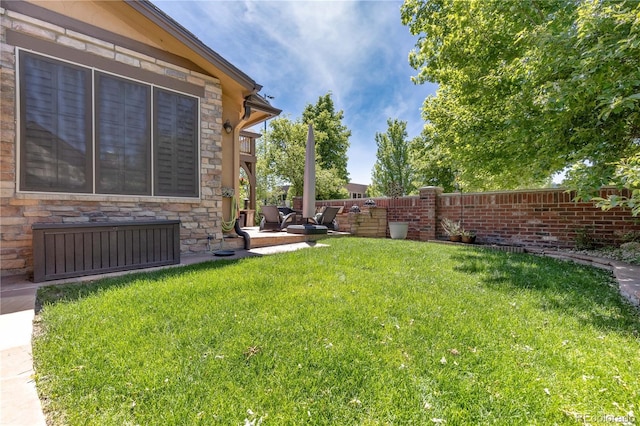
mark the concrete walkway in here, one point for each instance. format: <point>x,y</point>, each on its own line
<point>19,402</point>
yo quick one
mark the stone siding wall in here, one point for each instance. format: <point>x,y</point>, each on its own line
<point>200,217</point>
<point>367,223</point>
<point>542,218</point>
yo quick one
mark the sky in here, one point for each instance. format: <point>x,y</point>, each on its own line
<point>301,50</point>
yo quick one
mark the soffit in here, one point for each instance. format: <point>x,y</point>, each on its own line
<point>143,22</point>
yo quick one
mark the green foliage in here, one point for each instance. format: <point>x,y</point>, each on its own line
<point>626,175</point>
<point>450,227</point>
<point>268,185</point>
<point>284,159</point>
<point>586,239</point>
<point>432,166</point>
<point>631,237</point>
<point>366,331</point>
<point>527,88</point>
<point>392,167</point>
<point>332,137</point>
<point>285,152</point>
<point>329,185</point>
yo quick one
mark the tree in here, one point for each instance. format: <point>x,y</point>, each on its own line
<point>329,185</point>
<point>528,88</point>
<point>332,137</point>
<point>268,183</point>
<point>285,152</point>
<point>627,176</point>
<point>431,165</point>
<point>284,157</point>
<point>392,167</point>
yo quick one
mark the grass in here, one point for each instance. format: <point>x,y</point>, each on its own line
<point>364,332</point>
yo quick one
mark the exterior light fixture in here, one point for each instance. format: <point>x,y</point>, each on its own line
<point>227,126</point>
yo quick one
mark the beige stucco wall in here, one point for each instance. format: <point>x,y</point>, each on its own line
<point>112,15</point>
<point>200,217</point>
<point>120,18</point>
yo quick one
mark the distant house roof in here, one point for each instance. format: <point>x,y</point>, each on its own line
<point>357,188</point>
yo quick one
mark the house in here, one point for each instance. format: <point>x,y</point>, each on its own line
<point>114,112</point>
<point>357,190</point>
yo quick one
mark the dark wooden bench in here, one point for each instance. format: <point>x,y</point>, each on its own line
<point>77,249</point>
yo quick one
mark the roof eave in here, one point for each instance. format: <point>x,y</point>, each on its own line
<point>256,102</point>
<point>157,16</point>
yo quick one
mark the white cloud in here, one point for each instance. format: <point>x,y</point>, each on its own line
<point>300,50</point>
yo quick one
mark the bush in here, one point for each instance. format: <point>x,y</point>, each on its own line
<point>586,240</point>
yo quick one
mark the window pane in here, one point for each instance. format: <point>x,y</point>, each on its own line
<point>176,144</point>
<point>123,136</point>
<point>56,126</point>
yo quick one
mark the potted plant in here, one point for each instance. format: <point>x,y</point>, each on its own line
<point>468,237</point>
<point>452,229</point>
<point>397,230</point>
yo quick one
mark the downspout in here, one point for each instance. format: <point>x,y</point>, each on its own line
<point>236,158</point>
<point>243,234</point>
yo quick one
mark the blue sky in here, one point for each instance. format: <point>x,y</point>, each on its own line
<point>300,50</point>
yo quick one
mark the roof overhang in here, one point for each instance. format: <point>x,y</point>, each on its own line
<point>160,34</point>
<point>221,67</point>
<point>258,109</point>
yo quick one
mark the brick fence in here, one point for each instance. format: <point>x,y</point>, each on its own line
<point>543,218</point>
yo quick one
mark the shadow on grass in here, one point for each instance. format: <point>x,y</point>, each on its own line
<point>75,291</point>
<point>587,293</point>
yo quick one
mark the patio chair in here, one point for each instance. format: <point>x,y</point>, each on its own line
<point>286,210</point>
<point>273,220</point>
<point>327,217</point>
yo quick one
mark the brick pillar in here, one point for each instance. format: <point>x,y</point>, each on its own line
<point>428,212</point>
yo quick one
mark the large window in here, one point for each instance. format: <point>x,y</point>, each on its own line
<point>176,125</point>
<point>56,122</point>
<point>85,131</point>
<point>123,136</point>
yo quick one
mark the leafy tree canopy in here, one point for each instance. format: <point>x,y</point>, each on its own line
<point>528,88</point>
<point>392,173</point>
<point>285,151</point>
<point>332,137</point>
<point>431,165</point>
<point>284,159</point>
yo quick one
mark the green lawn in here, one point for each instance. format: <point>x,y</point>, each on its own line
<point>366,331</point>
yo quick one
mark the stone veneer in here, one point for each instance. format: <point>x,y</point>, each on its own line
<point>200,217</point>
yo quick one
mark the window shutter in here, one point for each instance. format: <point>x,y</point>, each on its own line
<point>175,144</point>
<point>55,102</point>
<point>123,136</point>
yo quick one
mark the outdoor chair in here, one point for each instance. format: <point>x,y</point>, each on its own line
<point>286,210</point>
<point>273,220</point>
<point>327,217</point>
